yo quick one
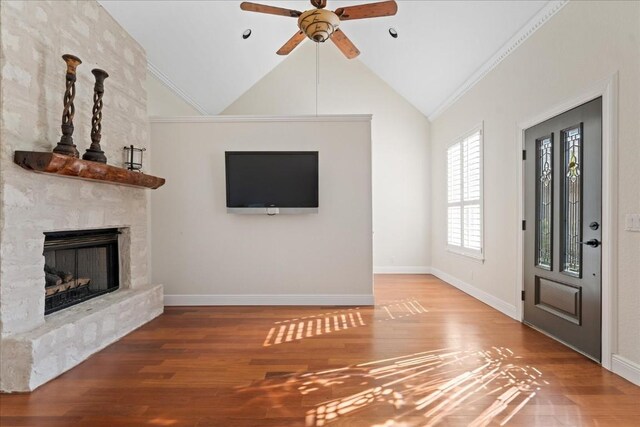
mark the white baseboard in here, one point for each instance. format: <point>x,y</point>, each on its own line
<point>626,369</point>
<point>393,269</point>
<point>478,294</point>
<point>194,300</point>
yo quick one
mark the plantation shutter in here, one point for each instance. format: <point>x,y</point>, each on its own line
<point>464,194</point>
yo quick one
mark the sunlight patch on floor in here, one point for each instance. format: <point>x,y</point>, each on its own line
<point>487,386</point>
<point>162,422</point>
<point>326,323</point>
<point>314,325</point>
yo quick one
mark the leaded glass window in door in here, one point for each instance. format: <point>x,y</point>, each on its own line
<point>571,256</point>
<point>544,202</point>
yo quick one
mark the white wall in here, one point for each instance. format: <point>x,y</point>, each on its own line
<point>584,43</point>
<point>206,256</point>
<point>399,137</point>
<point>162,101</point>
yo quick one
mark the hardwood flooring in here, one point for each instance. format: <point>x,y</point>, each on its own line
<point>426,354</point>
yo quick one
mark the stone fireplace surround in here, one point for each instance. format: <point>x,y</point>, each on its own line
<point>35,348</point>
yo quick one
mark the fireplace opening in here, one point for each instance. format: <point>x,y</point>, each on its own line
<point>79,265</point>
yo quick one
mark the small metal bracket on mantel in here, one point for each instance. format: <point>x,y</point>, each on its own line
<point>73,167</point>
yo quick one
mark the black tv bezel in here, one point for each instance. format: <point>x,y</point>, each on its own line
<point>273,152</point>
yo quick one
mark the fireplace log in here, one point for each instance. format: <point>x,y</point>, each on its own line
<point>52,290</point>
<point>78,283</point>
<point>64,275</point>
<point>67,286</point>
<point>52,279</point>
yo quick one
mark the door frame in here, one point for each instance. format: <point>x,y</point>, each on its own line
<point>608,90</point>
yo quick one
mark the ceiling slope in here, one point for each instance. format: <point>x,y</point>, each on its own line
<point>197,48</point>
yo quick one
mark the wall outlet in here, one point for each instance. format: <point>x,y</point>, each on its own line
<point>632,222</point>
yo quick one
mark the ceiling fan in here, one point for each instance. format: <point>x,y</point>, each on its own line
<point>320,24</point>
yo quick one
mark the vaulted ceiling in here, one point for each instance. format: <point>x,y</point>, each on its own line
<point>197,46</point>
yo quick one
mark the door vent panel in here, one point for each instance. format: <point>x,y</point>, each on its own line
<point>559,299</point>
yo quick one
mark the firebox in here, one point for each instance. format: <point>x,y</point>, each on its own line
<point>79,265</point>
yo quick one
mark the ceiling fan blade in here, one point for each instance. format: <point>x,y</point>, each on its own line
<point>371,10</point>
<point>291,43</point>
<point>344,44</point>
<point>263,8</point>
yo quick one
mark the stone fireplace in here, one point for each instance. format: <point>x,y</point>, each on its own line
<point>35,347</point>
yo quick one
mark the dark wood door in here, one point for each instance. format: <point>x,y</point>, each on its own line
<point>563,205</point>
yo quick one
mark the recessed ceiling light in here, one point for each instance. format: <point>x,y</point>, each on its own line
<point>247,34</point>
<point>393,32</point>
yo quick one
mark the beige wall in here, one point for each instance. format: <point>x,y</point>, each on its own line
<point>205,255</point>
<point>399,138</point>
<point>584,43</point>
<point>162,101</point>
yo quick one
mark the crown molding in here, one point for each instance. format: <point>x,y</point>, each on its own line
<point>245,119</point>
<point>175,89</point>
<point>534,24</point>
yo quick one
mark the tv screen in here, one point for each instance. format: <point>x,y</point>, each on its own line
<point>261,179</point>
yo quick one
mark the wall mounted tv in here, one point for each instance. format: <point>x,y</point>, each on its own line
<point>272,182</point>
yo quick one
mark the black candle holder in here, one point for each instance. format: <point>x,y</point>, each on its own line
<point>66,145</point>
<point>133,157</point>
<point>94,152</point>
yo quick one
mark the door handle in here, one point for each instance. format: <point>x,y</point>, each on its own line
<point>594,243</point>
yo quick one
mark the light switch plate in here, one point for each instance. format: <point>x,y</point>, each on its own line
<point>632,222</point>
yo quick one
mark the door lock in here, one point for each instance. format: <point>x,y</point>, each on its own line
<point>594,225</point>
<point>594,243</point>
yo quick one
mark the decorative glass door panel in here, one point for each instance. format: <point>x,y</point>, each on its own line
<point>544,198</point>
<point>571,263</point>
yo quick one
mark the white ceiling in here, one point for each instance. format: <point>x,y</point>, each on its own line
<point>197,45</point>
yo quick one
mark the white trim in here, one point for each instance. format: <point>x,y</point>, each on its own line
<point>627,369</point>
<point>608,90</point>
<point>244,119</point>
<point>477,293</point>
<point>155,72</point>
<point>413,269</point>
<point>209,299</point>
<point>473,255</point>
<point>534,24</point>
<point>475,128</point>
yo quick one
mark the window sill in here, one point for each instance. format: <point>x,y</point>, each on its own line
<point>472,256</point>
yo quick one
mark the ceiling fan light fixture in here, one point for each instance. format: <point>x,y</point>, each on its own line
<point>318,24</point>
<point>393,32</point>
<point>246,34</point>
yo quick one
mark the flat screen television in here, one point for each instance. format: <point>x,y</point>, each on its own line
<point>272,181</point>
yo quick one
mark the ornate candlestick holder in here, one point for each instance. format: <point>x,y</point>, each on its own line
<point>66,145</point>
<point>95,153</point>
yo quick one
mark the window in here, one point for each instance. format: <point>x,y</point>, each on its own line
<point>464,194</point>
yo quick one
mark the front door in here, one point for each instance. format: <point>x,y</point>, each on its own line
<point>563,227</point>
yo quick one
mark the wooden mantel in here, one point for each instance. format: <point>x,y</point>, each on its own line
<point>47,162</point>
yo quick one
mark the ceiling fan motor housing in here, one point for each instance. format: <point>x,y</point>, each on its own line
<point>318,24</point>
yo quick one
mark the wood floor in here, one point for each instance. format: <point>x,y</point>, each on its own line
<point>426,354</point>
